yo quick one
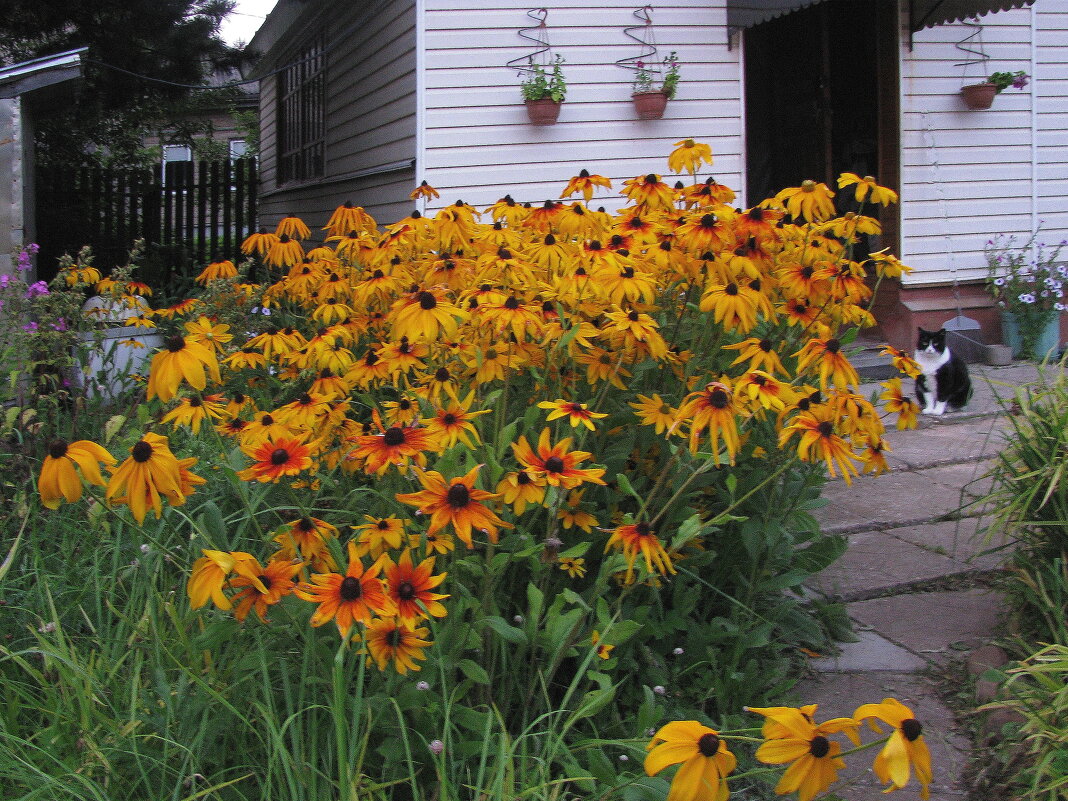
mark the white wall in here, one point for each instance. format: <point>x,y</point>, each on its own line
<point>967,175</point>
<point>478,144</point>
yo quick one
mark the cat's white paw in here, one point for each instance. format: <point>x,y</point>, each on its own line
<point>939,409</point>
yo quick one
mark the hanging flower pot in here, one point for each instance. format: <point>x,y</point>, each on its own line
<point>979,95</point>
<point>650,105</point>
<point>543,111</point>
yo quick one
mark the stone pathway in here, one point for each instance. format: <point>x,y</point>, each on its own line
<point>912,532</point>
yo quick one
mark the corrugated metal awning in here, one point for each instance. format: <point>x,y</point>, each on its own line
<point>743,14</point>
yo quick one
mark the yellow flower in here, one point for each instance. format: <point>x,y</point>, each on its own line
<point>584,183</point>
<point>574,567</point>
<point>576,413</point>
<point>904,749</point>
<point>702,756</point>
<point>58,480</point>
<point>866,187</point>
<point>150,472</point>
<point>396,640</point>
<point>811,200</point>
<point>688,156</point>
<point>180,358</point>
<point>424,191</point>
<point>603,649</point>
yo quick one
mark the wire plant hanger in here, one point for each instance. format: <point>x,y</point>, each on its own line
<point>972,45</point>
<point>541,55</point>
<point>648,58</point>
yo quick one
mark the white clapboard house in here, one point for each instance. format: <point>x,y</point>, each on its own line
<point>362,100</point>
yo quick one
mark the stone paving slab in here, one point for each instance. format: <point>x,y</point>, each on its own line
<point>938,443</point>
<point>870,653</point>
<point>840,694</point>
<point>937,626</point>
<point>878,560</point>
<point>960,540</point>
<point>895,499</point>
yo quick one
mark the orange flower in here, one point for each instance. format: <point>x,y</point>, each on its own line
<point>348,599</point>
<point>635,538</point>
<point>263,586</point>
<point>274,458</point>
<point>409,587</point>
<point>556,463</point>
<point>455,502</point>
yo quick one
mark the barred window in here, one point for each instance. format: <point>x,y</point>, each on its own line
<point>301,115</point>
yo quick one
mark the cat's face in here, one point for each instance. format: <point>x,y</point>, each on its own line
<point>931,341</point>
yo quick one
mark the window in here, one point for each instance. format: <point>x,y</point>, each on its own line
<point>173,154</point>
<point>238,149</point>
<point>301,115</point>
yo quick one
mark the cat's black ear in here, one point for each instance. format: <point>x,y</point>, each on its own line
<point>941,332</point>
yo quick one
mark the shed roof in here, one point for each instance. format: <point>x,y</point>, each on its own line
<point>37,73</point>
<point>922,13</point>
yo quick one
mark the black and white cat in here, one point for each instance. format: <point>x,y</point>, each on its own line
<point>945,380</point>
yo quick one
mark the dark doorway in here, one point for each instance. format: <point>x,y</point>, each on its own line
<point>821,97</point>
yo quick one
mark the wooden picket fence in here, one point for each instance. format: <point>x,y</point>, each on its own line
<point>189,213</point>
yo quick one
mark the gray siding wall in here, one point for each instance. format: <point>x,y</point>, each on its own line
<point>370,115</point>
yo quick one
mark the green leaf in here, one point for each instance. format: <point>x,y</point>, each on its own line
<point>473,671</point>
<point>112,426</point>
<point>625,485</point>
<point>501,627</point>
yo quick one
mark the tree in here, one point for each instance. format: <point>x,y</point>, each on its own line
<point>130,43</point>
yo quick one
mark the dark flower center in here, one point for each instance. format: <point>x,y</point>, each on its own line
<point>633,317</point>
<point>404,404</point>
<point>240,398</point>
<point>825,428</point>
<point>627,272</point>
<point>755,284</point>
<point>550,239</point>
<point>371,358</point>
<point>522,478</point>
<point>304,399</point>
<point>580,271</point>
<point>58,449</point>
<point>765,345</point>
<point>718,399</point>
<point>427,300</point>
<point>731,289</point>
<point>279,456</point>
<point>382,525</point>
<point>512,303</point>
<point>305,525</point>
<point>708,745</point>
<point>806,272</point>
<point>643,529</point>
<point>554,464</point>
<point>911,728</point>
<point>504,253</point>
<point>458,496</point>
<point>378,274</point>
<point>833,346</point>
<point>652,178</point>
<point>406,591</point>
<point>394,436</point>
<point>616,241</point>
<point>442,374</point>
<point>709,221</point>
<point>265,581</point>
<point>351,589</point>
<point>449,419</point>
<point>393,639</point>
<point>174,344</point>
<point>267,420</point>
<point>141,451</point>
<point>819,746</point>
<point>759,380</point>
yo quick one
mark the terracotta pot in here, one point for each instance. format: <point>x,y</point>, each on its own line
<point>650,105</point>
<point>978,95</point>
<point>543,111</point>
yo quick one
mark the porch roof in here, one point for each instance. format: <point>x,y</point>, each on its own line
<point>743,14</point>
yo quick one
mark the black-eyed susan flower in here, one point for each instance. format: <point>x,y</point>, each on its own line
<point>635,331</point>
<point>378,534</point>
<point>833,365</point>
<point>906,409</point>
<point>650,192</point>
<point>193,410</point>
<point>558,464</point>
<point>455,502</point>
<point>867,188</point>
<point>703,759</point>
<point>211,334</point>
<point>688,156</point>
<point>354,597</point>
<point>819,442</point>
<point>709,232</point>
<point>574,566</point>
<point>792,737</point>
<point>260,587</point>
<point>904,750</point>
<point>309,534</point>
<point>246,358</point>
<point>577,414</point>
<point>210,574</point>
<point>402,412</point>
<point>600,647</point>
<point>574,515</point>
<point>733,305</point>
<point>520,487</point>
<point>763,390</point>
<point>59,481</point>
<point>424,192</point>
<point>652,410</point>
<point>216,271</point>
<point>902,362</point>
<point>634,539</point>
<point>409,586</point>
<point>452,422</point>
<point>259,243</point>
<point>150,473</point>
<point>293,227</point>
<point>274,458</point>
<point>393,640</point>
<point>712,408</point>
<point>425,316</point>
<point>181,358</point>
<point>811,201</point>
<point>285,252</point>
<point>585,183</point>
<point>397,445</point>
<point>760,353</point>
<point>262,427</point>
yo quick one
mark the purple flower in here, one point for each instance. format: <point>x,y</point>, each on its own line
<point>30,326</point>
<point>4,280</point>
<point>1020,82</point>
<point>1027,297</point>
<point>639,64</point>
<point>436,746</point>
<point>37,288</point>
